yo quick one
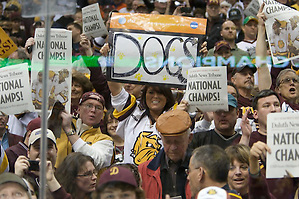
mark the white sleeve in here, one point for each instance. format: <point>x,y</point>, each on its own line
<point>119,101</point>
<point>202,125</point>
<point>101,151</point>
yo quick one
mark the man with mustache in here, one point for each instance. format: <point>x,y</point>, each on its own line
<point>243,78</point>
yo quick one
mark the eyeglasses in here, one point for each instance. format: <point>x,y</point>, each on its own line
<point>288,80</point>
<point>88,174</point>
<point>90,106</point>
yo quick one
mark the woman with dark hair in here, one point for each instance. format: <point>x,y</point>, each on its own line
<point>80,84</point>
<point>137,120</point>
<point>77,175</point>
<point>238,174</point>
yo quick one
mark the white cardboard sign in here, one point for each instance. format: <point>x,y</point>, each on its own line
<point>207,89</point>
<point>93,25</point>
<point>14,86</point>
<point>283,140</point>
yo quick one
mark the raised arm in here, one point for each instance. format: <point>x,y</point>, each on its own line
<point>264,77</point>
<point>114,87</point>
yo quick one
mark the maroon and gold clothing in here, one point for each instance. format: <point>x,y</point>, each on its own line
<point>244,104</point>
<point>255,137</point>
<point>279,187</point>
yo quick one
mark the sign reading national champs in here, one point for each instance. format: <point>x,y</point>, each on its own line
<point>154,48</point>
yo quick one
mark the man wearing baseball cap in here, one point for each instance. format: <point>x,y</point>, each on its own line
<point>165,174</point>
<point>235,16</point>
<point>224,133</point>
<point>214,22</point>
<point>250,35</point>
<point>22,165</point>
<point>12,185</point>
<point>117,181</point>
<point>21,148</point>
<point>243,78</point>
<point>84,134</point>
<point>222,49</point>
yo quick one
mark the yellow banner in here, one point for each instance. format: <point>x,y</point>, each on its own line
<point>7,46</point>
<point>161,23</point>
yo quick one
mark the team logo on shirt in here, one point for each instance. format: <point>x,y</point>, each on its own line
<point>146,147</point>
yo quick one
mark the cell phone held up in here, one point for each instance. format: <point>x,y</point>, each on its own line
<point>33,165</point>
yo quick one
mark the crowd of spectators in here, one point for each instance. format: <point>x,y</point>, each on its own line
<point>124,140</point>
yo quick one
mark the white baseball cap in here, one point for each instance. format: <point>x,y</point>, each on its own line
<point>37,134</point>
<point>212,193</point>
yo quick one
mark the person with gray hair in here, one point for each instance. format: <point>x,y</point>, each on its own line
<point>209,166</point>
<point>287,87</point>
<point>165,174</point>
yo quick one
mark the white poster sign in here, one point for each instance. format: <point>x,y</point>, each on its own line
<point>282,27</point>
<point>59,83</point>
<point>155,49</point>
<point>155,70</point>
<point>283,140</point>
<point>207,89</point>
<point>14,87</point>
<point>252,9</point>
<point>93,25</point>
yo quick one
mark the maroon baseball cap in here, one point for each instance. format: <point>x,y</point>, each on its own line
<point>220,44</point>
<point>117,174</point>
<point>34,124</point>
<point>215,2</point>
<point>92,95</point>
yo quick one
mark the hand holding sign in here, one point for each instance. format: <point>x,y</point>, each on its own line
<point>257,152</point>
<point>183,105</point>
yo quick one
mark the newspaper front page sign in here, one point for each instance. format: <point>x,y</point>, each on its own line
<point>283,140</point>
<point>60,62</point>
<point>252,9</point>
<point>156,49</point>
<point>207,89</point>
<point>93,25</point>
<point>15,87</point>
<point>282,27</point>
